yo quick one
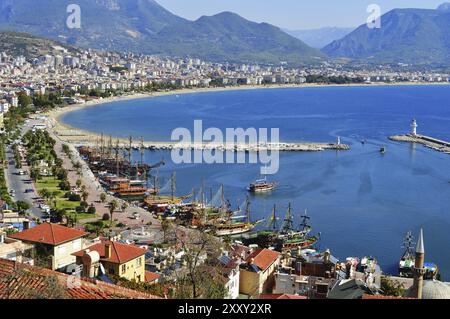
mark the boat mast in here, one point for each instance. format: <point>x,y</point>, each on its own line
<point>408,244</point>
<point>110,147</point>
<point>129,156</point>
<point>101,146</point>
<point>116,149</point>
<point>273,221</point>
<point>142,150</point>
<point>173,185</point>
<point>222,197</point>
<point>247,209</point>
<point>304,225</point>
<point>288,222</point>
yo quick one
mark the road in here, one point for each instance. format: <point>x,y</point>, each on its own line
<point>94,188</point>
<point>20,183</point>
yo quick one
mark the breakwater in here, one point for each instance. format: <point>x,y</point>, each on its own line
<point>430,142</point>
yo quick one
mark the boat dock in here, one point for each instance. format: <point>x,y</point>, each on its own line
<point>430,142</point>
<point>81,139</point>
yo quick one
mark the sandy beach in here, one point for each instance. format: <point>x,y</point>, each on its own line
<point>78,136</point>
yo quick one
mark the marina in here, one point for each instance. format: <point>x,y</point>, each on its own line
<point>342,191</point>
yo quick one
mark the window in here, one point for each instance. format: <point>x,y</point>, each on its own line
<point>139,262</point>
<point>124,268</point>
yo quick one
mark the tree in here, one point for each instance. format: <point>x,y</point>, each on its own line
<point>124,206</point>
<point>197,247</point>
<point>23,206</point>
<point>45,193</point>
<point>165,226</point>
<point>24,99</point>
<point>391,287</point>
<point>112,207</point>
<point>35,174</point>
<point>91,209</point>
<point>64,185</point>
<point>78,183</point>
<point>103,197</point>
<point>84,196</point>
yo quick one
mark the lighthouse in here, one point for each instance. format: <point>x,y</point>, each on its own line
<point>414,127</point>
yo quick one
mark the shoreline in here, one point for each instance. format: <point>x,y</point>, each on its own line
<point>79,136</point>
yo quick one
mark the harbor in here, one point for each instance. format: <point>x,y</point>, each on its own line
<point>318,181</point>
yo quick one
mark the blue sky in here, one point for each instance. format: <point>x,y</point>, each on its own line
<point>294,14</point>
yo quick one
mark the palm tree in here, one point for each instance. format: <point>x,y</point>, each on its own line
<point>84,196</point>
<point>112,207</point>
<point>45,193</point>
<point>124,206</point>
<point>103,197</point>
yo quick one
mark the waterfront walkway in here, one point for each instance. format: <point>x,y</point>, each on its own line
<point>94,189</point>
<point>81,138</point>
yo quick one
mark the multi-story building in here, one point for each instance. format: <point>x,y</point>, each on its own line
<point>126,261</point>
<point>53,244</point>
<point>257,273</point>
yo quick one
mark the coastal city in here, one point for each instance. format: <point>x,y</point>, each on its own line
<point>67,209</point>
<point>86,215</point>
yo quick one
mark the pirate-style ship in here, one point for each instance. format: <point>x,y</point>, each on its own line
<point>286,239</point>
<point>406,263</point>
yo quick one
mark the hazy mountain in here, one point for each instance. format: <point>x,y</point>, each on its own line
<point>319,38</point>
<point>406,35</point>
<point>146,27</point>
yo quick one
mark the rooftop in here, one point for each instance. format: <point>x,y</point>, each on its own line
<point>262,258</point>
<point>46,233</point>
<point>120,253</point>
<point>19,281</point>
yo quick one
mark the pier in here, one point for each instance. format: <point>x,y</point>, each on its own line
<point>80,139</point>
<point>430,142</point>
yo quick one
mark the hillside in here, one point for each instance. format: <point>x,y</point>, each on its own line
<point>14,43</point>
<point>416,36</point>
<point>143,26</point>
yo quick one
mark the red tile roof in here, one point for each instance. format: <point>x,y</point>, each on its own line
<point>151,276</point>
<point>20,281</point>
<point>263,258</point>
<point>281,296</point>
<point>120,253</point>
<point>46,233</point>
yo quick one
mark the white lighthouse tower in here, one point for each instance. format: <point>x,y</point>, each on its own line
<point>414,127</point>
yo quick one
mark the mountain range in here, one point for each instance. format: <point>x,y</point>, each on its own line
<point>319,38</point>
<point>415,36</point>
<point>143,26</point>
